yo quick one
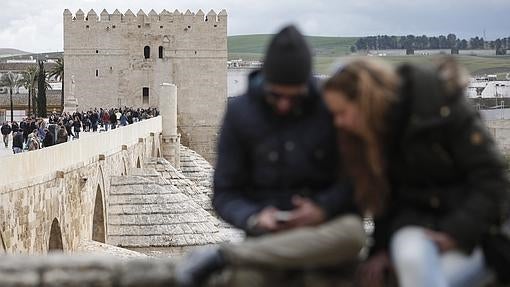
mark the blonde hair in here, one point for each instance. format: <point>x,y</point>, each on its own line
<point>372,85</point>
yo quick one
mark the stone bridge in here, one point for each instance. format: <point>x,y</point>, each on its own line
<point>54,198</point>
<point>112,188</point>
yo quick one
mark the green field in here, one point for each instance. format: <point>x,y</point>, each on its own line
<point>252,47</point>
<point>328,50</point>
<point>476,65</point>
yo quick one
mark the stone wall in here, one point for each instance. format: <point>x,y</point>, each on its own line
<point>55,197</point>
<point>58,270</point>
<point>500,130</point>
<point>103,271</point>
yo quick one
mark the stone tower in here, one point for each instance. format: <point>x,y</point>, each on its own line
<point>119,60</point>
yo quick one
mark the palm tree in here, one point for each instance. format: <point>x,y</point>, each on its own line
<point>28,81</point>
<point>58,73</point>
<point>11,81</point>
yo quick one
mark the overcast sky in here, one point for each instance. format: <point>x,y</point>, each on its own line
<point>36,26</point>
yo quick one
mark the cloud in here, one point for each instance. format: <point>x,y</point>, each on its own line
<point>37,25</point>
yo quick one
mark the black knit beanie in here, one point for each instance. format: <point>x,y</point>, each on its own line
<point>288,58</point>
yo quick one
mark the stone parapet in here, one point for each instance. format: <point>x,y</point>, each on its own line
<point>76,271</point>
<point>44,162</point>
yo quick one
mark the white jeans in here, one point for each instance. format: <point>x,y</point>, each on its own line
<point>418,262</point>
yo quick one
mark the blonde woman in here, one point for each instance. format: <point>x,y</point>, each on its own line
<point>424,165</point>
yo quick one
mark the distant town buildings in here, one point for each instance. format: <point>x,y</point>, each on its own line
<point>489,87</point>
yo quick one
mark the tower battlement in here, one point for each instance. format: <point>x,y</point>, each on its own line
<point>141,17</point>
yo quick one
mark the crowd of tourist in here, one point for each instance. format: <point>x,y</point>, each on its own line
<point>35,133</point>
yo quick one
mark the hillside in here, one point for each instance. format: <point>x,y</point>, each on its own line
<point>252,47</point>
<point>329,50</point>
<point>9,52</point>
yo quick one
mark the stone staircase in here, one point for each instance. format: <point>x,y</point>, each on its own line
<point>167,175</point>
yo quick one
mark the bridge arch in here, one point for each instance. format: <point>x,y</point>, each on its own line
<point>100,178</point>
<point>98,222</point>
<point>3,249</point>
<point>55,242</point>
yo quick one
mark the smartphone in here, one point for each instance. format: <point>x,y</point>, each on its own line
<point>283,216</point>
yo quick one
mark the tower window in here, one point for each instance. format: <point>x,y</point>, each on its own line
<point>97,51</point>
<point>147,52</point>
<point>161,52</point>
<point>145,96</point>
<point>97,73</point>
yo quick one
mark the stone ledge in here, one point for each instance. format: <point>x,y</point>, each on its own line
<point>74,270</point>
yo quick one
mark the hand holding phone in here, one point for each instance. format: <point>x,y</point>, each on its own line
<point>283,216</point>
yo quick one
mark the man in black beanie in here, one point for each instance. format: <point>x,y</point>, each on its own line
<point>277,171</point>
<point>277,162</point>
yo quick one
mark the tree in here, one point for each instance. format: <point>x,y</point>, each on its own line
<point>361,44</point>
<point>28,80</point>
<point>11,81</point>
<point>464,44</point>
<point>434,43</point>
<point>477,43</point>
<point>35,95</point>
<point>58,73</point>
<point>41,91</point>
<point>451,40</point>
<point>443,42</point>
<point>353,49</point>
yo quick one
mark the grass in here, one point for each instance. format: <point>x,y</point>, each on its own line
<point>329,50</point>
<point>252,47</point>
<point>476,65</point>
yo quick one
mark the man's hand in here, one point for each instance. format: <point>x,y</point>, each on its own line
<point>306,213</point>
<point>267,222</point>
<point>444,241</point>
<point>372,273</point>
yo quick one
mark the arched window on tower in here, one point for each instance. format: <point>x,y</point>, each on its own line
<point>161,52</point>
<point>147,52</point>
